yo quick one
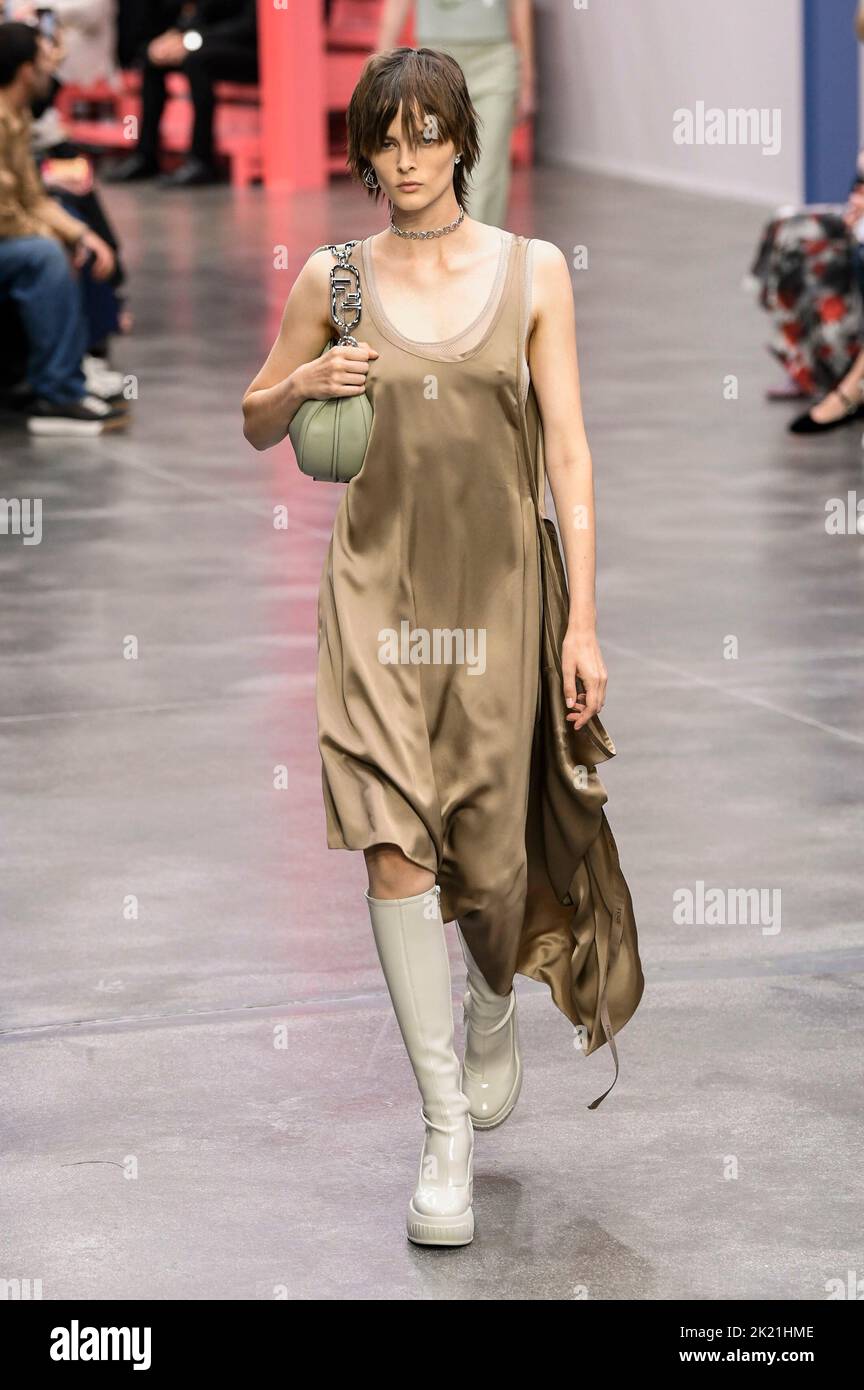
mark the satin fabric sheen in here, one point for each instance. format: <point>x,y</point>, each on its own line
<point>477,777</point>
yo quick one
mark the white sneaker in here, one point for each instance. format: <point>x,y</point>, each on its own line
<point>100,379</point>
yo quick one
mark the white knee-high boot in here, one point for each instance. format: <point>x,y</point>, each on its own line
<point>492,1069</point>
<point>412,948</point>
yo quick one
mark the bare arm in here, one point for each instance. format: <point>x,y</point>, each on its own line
<point>393,16</point>
<point>554,367</point>
<point>522,29</point>
<point>295,371</point>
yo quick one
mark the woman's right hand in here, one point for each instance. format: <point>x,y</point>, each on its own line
<point>296,370</point>
<point>341,371</point>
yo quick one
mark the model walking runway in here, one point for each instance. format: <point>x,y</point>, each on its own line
<point>438,535</point>
<point>459,682</point>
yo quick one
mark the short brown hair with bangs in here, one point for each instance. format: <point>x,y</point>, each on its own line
<point>427,83</point>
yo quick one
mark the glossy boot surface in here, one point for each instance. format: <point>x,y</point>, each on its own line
<point>412,948</point>
<point>492,1067</point>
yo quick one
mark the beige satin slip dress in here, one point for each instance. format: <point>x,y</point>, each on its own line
<point>442,607</point>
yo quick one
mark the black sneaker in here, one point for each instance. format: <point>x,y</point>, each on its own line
<point>192,173</point>
<point>131,169</point>
<point>86,417</point>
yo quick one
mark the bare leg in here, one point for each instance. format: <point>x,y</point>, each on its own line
<point>391,875</point>
<point>833,406</point>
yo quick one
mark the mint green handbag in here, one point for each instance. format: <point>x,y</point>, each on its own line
<point>330,437</point>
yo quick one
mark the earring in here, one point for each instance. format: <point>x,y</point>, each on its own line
<point>458,159</point>
<point>373,181</point>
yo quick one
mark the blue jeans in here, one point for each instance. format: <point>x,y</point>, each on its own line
<point>98,297</point>
<point>35,273</point>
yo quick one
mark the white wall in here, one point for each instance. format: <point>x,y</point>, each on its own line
<point>611,76</point>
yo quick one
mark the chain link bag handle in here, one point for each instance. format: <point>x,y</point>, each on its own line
<point>330,437</point>
<point>341,273</point>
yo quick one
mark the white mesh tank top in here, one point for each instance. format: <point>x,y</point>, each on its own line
<point>468,338</point>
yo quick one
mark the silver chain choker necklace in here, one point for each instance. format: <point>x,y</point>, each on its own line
<point>425,236</point>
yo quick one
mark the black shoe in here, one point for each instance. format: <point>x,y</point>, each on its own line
<point>805,424</point>
<point>193,173</point>
<point>134,167</point>
<point>87,417</point>
<point>19,397</point>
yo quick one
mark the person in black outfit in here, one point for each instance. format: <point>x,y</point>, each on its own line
<point>216,41</point>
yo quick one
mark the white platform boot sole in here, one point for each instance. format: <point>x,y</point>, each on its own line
<point>442,1230</point>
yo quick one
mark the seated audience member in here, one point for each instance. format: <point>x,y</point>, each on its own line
<point>811,271</point>
<point>214,41</point>
<point>69,175</point>
<point>844,402</point>
<point>41,246</point>
<point>807,269</point>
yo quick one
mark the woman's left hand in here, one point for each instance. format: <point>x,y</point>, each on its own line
<point>581,656</point>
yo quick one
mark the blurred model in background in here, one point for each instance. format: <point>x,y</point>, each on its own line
<point>492,41</point>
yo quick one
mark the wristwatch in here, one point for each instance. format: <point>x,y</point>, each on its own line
<point>192,41</point>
